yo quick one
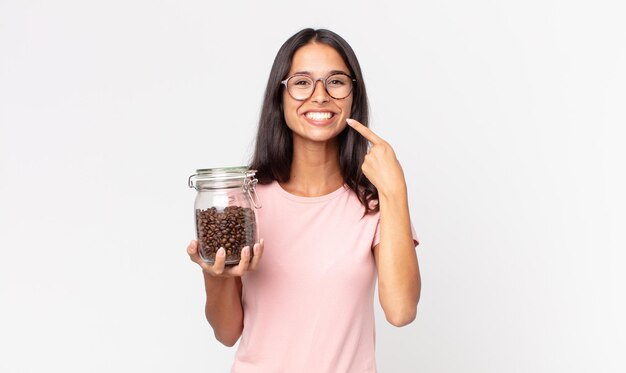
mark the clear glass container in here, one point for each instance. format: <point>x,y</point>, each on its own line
<point>225,215</point>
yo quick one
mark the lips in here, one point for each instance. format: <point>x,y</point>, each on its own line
<point>319,115</point>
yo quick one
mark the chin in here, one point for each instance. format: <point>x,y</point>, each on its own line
<point>322,137</point>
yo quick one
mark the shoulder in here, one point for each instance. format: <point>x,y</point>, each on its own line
<point>372,203</point>
<point>264,187</point>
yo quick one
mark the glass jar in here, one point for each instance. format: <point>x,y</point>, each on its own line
<point>225,211</point>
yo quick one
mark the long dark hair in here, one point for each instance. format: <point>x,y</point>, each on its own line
<point>274,144</point>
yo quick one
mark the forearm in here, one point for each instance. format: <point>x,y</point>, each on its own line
<point>399,282</point>
<point>223,307</point>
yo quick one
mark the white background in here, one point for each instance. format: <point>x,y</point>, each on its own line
<point>507,116</point>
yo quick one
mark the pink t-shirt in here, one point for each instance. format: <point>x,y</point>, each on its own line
<point>309,305</point>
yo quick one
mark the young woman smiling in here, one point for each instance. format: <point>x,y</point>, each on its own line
<point>335,218</point>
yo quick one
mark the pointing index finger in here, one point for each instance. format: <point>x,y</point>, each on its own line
<point>365,131</point>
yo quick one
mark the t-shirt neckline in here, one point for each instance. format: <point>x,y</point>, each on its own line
<point>342,189</point>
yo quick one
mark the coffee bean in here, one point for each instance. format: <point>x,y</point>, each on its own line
<point>232,228</point>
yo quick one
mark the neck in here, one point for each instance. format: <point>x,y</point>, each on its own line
<point>314,169</point>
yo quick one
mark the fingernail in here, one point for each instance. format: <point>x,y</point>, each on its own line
<point>221,252</point>
<point>246,251</point>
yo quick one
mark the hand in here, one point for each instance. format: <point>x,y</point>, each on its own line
<point>219,269</point>
<point>380,165</point>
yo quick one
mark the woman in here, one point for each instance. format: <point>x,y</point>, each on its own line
<point>335,215</point>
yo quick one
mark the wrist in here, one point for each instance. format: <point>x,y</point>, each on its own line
<point>393,193</point>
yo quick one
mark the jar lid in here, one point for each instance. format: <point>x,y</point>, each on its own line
<point>220,175</point>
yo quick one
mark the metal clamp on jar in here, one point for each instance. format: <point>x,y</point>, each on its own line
<point>224,211</point>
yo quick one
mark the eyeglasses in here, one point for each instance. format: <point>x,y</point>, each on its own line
<point>301,87</point>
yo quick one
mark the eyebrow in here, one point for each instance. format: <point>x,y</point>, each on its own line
<point>331,72</point>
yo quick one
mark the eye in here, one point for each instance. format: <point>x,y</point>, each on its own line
<point>300,82</point>
<point>337,81</point>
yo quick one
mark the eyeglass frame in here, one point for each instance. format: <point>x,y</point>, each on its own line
<point>323,80</point>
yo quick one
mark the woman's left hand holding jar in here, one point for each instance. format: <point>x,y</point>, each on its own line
<point>219,268</point>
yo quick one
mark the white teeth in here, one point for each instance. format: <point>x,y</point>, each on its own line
<point>318,116</point>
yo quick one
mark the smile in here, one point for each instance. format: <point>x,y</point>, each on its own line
<point>318,116</point>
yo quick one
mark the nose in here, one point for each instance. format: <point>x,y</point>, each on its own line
<point>319,92</point>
